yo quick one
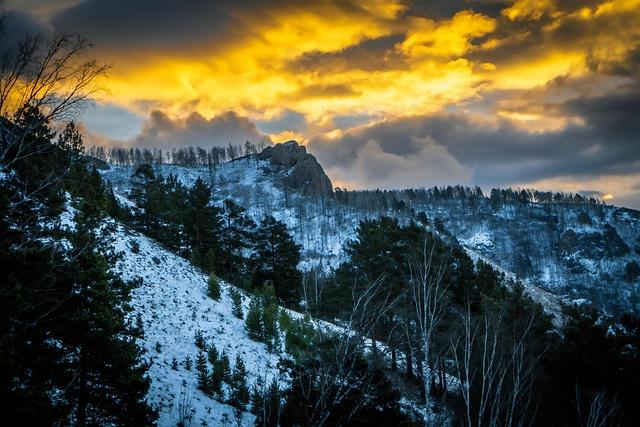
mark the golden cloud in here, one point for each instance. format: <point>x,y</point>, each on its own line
<point>435,63</point>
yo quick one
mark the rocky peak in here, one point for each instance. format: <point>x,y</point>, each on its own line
<point>300,169</point>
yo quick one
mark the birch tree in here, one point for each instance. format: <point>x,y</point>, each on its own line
<point>429,298</point>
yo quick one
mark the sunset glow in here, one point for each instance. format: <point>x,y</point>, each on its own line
<point>324,72</point>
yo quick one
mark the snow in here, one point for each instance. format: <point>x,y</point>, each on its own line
<point>521,240</point>
<point>479,241</point>
<point>173,304</point>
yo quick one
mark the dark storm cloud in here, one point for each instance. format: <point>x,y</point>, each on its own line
<point>186,24</point>
<point>628,66</point>
<point>162,131</point>
<point>288,120</point>
<point>529,37</point>
<point>16,26</point>
<point>438,9</point>
<point>499,155</point>
<point>322,91</point>
<point>369,55</point>
<point>118,23</point>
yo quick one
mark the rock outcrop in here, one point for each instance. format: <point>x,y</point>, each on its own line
<point>299,169</point>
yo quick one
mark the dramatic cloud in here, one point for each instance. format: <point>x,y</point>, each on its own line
<point>494,153</point>
<point>388,93</point>
<point>162,131</point>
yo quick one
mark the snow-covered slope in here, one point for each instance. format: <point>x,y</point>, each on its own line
<point>575,251</point>
<point>173,305</point>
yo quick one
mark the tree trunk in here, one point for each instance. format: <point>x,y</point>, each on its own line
<point>409,358</point>
<point>426,371</point>
<point>394,359</point>
<point>443,378</point>
<point>81,415</point>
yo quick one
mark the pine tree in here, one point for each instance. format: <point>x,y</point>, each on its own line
<point>218,371</point>
<point>239,391</point>
<point>202,220</point>
<point>257,399</point>
<point>253,322</point>
<point>212,354</point>
<point>215,380</point>
<point>203,372</point>
<point>236,301</point>
<point>225,366</point>
<point>199,340</point>
<point>275,260</point>
<point>271,410</point>
<point>235,236</point>
<point>62,308</point>
<point>174,364</point>
<point>269,312</point>
<point>270,322</point>
<point>213,287</point>
<point>187,362</point>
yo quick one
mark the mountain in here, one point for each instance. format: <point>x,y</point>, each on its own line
<point>571,247</point>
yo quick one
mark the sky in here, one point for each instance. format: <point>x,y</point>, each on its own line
<point>386,94</point>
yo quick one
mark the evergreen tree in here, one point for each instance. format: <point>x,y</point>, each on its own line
<point>235,236</point>
<point>236,301</point>
<point>275,259</point>
<point>202,220</point>
<point>62,307</point>
<point>270,311</point>
<point>271,400</point>
<point>239,391</point>
<point>256,399</point>
<point>218,371</point>
<point>253,322</point>
<point>199,340</point>
<point>225,366</point>
<point>213,287</point>
<point>212,355</point>
<point>203,372</point>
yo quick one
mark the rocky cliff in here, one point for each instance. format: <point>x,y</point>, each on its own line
<point>299,169</point>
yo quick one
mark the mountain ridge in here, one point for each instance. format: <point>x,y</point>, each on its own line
<point>576,249</point>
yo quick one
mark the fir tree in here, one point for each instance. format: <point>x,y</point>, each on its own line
<point>225,366</point>
<point>187,363</point>
<point>174,363</point>
<point>212,354</point>
<point>203,372</point>
<point>213,287</point>
<point>239,391</point>
<point>235,236</point>
<point>275,260</point>
<point>202,220</point>
<point>270,310</point>
<point>236,301</point>
<point>199,340</point>
<point>253,322</point>
<point>257,399</point>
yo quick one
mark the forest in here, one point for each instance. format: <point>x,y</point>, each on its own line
<point>408,316</point>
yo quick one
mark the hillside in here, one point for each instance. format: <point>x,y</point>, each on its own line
<point>577,251</point>
<point>172,303</point>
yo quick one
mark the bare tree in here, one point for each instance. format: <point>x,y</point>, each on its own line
<point>53,78</point>
<point>429,298</point>
<point>337,380</point>
<point>495,366</point>
<point>601,410</point>
<point>51,75</point>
